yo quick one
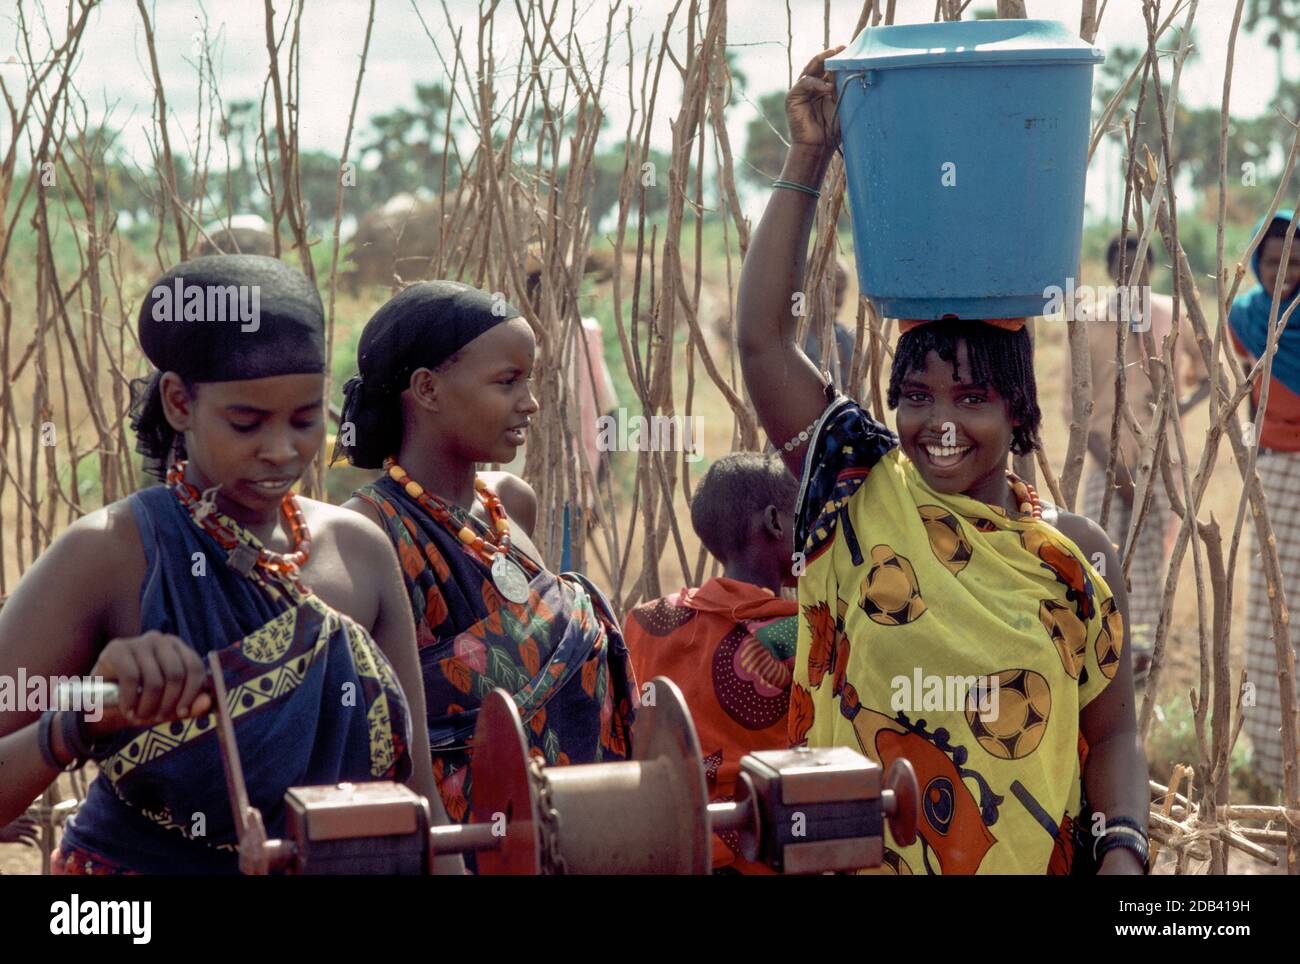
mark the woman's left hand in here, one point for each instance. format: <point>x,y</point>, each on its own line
<point>24,830</point>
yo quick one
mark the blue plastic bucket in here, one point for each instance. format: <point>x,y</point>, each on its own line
<point>965,149</point>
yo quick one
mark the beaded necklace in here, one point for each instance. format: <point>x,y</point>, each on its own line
<point>506,574</point>
<point>1026,495</point>
<point>246,553</point>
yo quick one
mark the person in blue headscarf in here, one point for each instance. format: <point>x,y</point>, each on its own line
<point>1278,431</point>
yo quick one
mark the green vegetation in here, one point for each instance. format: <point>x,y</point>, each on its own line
<point>1173,740</point>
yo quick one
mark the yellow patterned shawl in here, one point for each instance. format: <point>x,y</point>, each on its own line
<point>935,628</point>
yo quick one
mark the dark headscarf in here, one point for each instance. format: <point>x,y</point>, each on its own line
<point>421,326</point>
<point>223,318</point>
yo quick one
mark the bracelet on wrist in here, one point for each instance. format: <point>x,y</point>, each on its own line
<point>71,728</point>
<point>1125,833</point>
<point>796,186</point>
<point>45,740</point>
<point>803,436</point>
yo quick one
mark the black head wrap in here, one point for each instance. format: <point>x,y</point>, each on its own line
<point>421,326</point>
<point>223,318</point>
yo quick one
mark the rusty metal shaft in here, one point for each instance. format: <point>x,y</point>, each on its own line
<point>732,815</point>
<point>463,838</point>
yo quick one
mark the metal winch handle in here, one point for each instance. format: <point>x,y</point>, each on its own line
<point>901,801</point>
<point>78,693</point>
<point>257,855</point>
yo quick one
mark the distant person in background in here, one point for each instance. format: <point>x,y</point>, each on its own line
<point>241,234</point>
<point>1278,467</point>
<point>1151,551</point>
<point>729,644</point>
<point>24,831</point>
<point>593,386</point>
<point>844,338</point>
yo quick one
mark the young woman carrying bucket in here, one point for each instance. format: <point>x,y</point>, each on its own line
<point>924,558</point>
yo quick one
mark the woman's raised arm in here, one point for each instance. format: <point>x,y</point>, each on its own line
<point>787,389</point>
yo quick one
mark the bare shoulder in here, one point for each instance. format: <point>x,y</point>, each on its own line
<point>345,524</point>
<point>103,545</point>
<point>507,483</point>
<point>82,589</point>
<point>516,495</point>
<point>1084,533</point>
<point>359,506</point>
<point>353,566</point>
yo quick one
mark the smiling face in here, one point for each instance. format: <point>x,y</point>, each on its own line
<point>253,437</point>
<point>1270,260</point>
<point>957,433</point>
<point>482,403</point>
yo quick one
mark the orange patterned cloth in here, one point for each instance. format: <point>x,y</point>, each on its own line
<point>560,653</point>
<point>729,646</point>
<point>71,861</point>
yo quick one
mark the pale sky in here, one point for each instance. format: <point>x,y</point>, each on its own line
<point>114,66</point>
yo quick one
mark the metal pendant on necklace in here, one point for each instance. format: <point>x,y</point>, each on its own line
<point>509,579</point>
<point>242,558</point>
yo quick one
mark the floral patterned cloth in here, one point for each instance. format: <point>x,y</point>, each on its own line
<point>729,646</point>
<point>560,654</point>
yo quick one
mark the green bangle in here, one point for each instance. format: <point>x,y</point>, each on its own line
<point>794,186</point>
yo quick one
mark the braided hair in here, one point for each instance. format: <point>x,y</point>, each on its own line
<point>998,358</point>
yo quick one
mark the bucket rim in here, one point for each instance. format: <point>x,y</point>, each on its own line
<point>1005,45</point>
